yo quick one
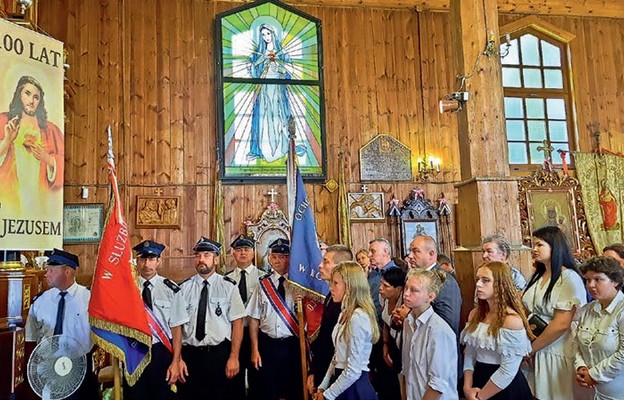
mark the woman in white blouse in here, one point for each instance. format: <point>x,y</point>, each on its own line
<point>353,335</point>
<point>599,340</point>
<point>496,338</point>
<point>551,297</point>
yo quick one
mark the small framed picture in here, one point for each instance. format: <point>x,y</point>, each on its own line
<point>82,223</point>
<point>158,212</point>
<point>413,228</point>
<point>366,206</point>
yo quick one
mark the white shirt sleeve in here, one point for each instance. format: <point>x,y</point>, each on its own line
<point>358,354</point>
<point>612,366</point>
<point>442,355</point>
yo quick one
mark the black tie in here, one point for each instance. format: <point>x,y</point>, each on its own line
<point>200,329</point>
<point>58,328</point>
<point>280,288</point>
<point>147,294</point>
<point>242,285</point>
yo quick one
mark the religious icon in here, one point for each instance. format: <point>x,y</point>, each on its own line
<point>609,208</point>
<point>158,212</point>
<point>271,85</point>
<point>366,206</point>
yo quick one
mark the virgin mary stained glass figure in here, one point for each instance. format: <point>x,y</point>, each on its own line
<point>271,108</point>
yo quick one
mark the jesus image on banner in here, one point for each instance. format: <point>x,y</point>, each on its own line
<point>31,152</point>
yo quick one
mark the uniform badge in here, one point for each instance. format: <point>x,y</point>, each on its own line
<point>218,311</point>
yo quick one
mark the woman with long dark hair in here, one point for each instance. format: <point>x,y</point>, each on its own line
<point>552,296</point>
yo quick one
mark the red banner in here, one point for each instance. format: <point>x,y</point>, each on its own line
<point>116,310</point>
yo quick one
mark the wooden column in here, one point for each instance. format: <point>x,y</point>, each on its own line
<point>487,195</point>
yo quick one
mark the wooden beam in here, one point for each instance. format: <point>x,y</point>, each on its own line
<point>577,8</point>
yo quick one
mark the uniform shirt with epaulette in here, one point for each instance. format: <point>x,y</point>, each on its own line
<point>42,316</point>
<point>167,303</point>
<point>260,308</point>
<point>224,306</point>
<point>253,275</point>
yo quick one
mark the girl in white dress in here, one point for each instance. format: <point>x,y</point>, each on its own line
<point>599,340</point>
<point>497,337</point>
<point>553,294</point>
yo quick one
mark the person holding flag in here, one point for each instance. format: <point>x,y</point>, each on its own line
<point>274,331</point>
<point>212,337</point>
<point>166,312</point>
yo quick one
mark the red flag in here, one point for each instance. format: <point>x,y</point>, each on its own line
<point>116,311</point>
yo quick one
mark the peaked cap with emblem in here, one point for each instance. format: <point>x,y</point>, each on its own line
<point>280,246</point>
<point>148,249</point>
<point>60,257</point>
<point>205,244</point>
<point>242,241</point>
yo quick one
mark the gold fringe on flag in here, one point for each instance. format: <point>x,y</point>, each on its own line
<point>344,227</point>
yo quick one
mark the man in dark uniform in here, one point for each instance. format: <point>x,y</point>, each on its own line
<point>166,314</point>
<point>274,343</point>
<point>246,275</point>
<point>212,337</point>
<point>323,346</point>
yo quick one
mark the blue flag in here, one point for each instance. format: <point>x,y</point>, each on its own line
<point>305,254</point>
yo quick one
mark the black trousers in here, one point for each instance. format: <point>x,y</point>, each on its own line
<point>385,379</point>
<point>244,361</point>
<point>280,375</point>
<point>152,384</point>
<point>88,389</point>
<point>206,367</point>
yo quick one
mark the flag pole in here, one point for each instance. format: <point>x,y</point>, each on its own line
<point>302,348</point>
<point>116,378</point>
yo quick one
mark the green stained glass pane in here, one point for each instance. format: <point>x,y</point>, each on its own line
<point>537,130</point>
<point>517,153</point>
<point>515,130</point>
<point>248,141</point>
<point>532,78</point>
<point>556,108</point>
<point>269,42</point>
<point>530,50</point>
<point>513,107</point>
<point>511,77</point>
<point>535,108</point>
<point>558,131</point>
<point>551,55</point>
<point>553,79</point>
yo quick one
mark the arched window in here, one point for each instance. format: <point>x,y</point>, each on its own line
<point>537,89</point>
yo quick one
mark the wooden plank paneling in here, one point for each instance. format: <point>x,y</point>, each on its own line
<point>150,70</point>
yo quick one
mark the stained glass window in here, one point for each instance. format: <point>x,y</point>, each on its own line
<point>269,73</point>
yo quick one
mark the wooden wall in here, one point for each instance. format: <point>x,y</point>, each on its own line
<point>147,68</point>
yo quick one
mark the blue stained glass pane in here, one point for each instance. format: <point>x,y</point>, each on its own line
<point>558,131</point>
<point>517,153</point>
<point>512,57</point>
<point>535,108</point>
<point>515,130</point>
<point>511,77</point>
<point>530,51</point>
<point>551,55</point>
<point>553,79</point>
<point>537,156</point>
<point>556,108</point>
<point>537,130</point>
<point>532,78</point>
<point>513,107</point>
